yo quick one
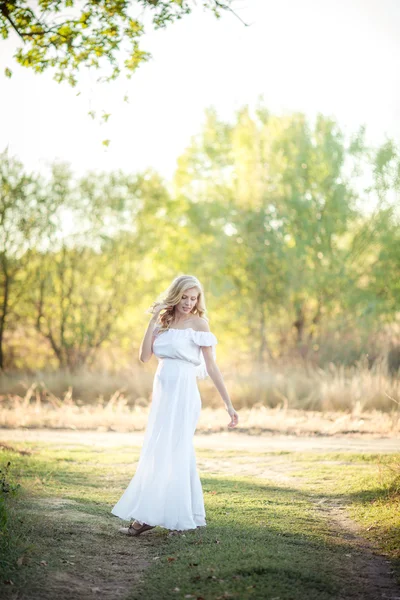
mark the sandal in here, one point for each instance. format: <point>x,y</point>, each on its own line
<point>131,530</point>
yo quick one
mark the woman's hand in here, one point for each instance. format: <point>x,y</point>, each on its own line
<point>157,308</point>
<point>146,347</point>
<point>234,417</point>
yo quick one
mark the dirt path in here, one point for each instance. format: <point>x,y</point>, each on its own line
<point>215,441</point>
<point>371,572</point>
<point>96,563</point>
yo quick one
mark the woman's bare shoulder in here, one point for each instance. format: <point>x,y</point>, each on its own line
<point>200,324</point>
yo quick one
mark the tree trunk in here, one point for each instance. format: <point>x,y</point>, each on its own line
<point>263,347</point>
<point>4,309</point>
<point>299,324</point>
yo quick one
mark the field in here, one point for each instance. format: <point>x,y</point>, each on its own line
<point>287,517</point>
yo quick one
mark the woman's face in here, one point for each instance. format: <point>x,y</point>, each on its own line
<point>187,302</point>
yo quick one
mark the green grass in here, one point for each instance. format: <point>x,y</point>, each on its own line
<point>369,484</point>
<point>262,540</point>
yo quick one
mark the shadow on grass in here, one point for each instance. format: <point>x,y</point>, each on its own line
<point>261,541</point>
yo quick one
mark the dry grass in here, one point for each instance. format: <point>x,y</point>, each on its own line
<point>292,399</point>
<point>116,415</point>
<point>336,388</point>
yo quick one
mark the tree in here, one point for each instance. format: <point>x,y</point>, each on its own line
<point>25,222</point>
<point>68,34</point>
<point>89,280</point>
<point>272,194</point>
<point>80,293</point>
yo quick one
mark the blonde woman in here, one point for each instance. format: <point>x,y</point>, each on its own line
<point>166,488</point>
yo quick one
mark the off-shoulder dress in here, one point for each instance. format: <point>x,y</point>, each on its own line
<point>166,488</point>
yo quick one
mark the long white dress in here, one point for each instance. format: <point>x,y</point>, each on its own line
<point>166,488</point>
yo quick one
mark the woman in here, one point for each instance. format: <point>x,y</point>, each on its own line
<point>166,489</point>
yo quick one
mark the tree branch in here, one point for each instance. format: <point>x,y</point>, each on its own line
<point>225,7</point>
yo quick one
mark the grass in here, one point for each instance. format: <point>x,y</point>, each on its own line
<point>9,550</point>
<point>369,484</point>
<point>292,385</point>
<point>261,541</point>
<point>116,415</point>
<point>291,399</point>
<point>264,539</point>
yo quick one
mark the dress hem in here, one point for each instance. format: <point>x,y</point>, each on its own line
<point>158,524</point>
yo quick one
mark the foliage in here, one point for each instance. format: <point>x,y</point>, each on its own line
<point>26,211</point>
<point>288,223</point>
<point>6,486</point>
<point>292,228</point>
<point>66,35</point>
<point>9,550</point>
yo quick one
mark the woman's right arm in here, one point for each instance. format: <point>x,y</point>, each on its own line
<point>146,347</point>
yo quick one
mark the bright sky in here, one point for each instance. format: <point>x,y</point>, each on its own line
<point>337,57</point>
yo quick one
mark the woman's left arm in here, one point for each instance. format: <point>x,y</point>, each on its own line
<point>216,376</point>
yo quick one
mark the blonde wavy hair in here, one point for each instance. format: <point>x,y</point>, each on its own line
<point>173,295</point>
